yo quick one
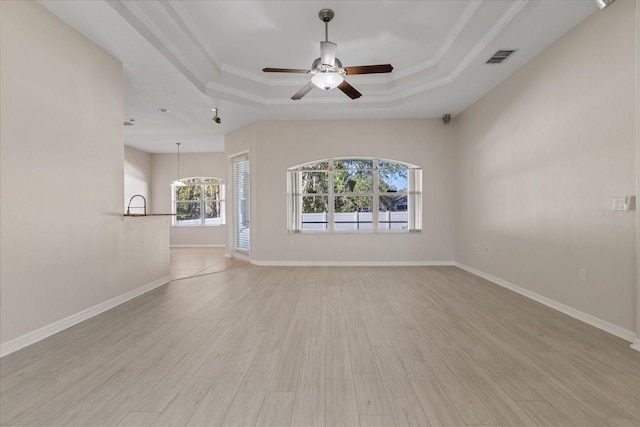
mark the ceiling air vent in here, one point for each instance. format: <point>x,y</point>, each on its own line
<point>500,56</point>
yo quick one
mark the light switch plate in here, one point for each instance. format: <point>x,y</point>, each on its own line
<point>624,204</point>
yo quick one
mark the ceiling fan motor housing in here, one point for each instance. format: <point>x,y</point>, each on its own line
<point>318,66</point>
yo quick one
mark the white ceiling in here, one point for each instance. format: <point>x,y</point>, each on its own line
<point>191,56</point>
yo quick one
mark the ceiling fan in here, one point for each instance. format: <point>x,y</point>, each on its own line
<point>327,71</point>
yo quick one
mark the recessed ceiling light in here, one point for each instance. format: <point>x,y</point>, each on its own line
<point>129,121</point>
<point>163,110</point>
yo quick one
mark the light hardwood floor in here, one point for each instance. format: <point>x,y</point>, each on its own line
<point>315,346</point>
<point>190,262</point>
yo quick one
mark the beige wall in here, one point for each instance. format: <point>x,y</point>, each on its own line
<point>539,160</point>
<point>636,344</point>
<point>278,145</point>
<point>137,178</point>
<point>66,252</point>
<point>164,169</point>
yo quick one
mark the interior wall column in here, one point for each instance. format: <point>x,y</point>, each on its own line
<point>636,344</point>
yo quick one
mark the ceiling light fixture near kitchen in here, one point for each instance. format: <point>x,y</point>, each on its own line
<point>163,110</point>
<point>177,182</point>
<point>129,121</point>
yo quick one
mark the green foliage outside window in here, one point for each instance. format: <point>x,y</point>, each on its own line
<point>352,178</point>
<point>354,194</point>
<point>199,201</point>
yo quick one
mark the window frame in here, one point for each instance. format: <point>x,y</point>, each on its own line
<point>296,195</point>
<point>202,201</point>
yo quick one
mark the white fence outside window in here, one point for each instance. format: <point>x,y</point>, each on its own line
<point>356,220</point>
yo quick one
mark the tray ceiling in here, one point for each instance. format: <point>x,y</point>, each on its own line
<point>192,56</point>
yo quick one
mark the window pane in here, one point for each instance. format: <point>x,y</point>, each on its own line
<point>392,180</point>
<point>353,203</point>
<point>212,213</point>
<point>316,166</point>
<point>353,213</point>
<point>191,192</point>
<point>314,213</point>
<point>353,164</point>
<point>314,204</point>
<point>315,182</point>
<point>212,192</point>
<point>188,213</point>
<point>191,181</point>
<point>384,164</point>
<point>393,213</point>
<point>347,181</point>
<point>212,210</point>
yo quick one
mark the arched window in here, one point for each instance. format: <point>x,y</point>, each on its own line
<point>199,202</point>
<point>354,194</point>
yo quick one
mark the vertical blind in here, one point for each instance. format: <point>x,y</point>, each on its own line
<point>241,193</point>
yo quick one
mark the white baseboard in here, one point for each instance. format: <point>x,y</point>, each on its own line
<point>616,330</point>
<point>53,328</point>
<point>350,263</point>
<point>198,246</point>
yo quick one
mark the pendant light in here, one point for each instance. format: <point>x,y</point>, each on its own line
<point>177,182</point>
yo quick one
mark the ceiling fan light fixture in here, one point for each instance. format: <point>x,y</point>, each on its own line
<point>327,71</point>
<point>327,80</point>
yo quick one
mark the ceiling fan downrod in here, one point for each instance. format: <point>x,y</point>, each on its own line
<point>326,15</point>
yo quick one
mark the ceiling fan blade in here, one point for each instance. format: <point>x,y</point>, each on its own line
<point>369,69</point>
<point>349,90</point>
<point>284,70</point>
<point>328,53</point>
<point>302,92</point>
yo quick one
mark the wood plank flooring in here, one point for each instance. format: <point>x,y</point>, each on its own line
<point>315,346</point>
<point>191,262</point>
